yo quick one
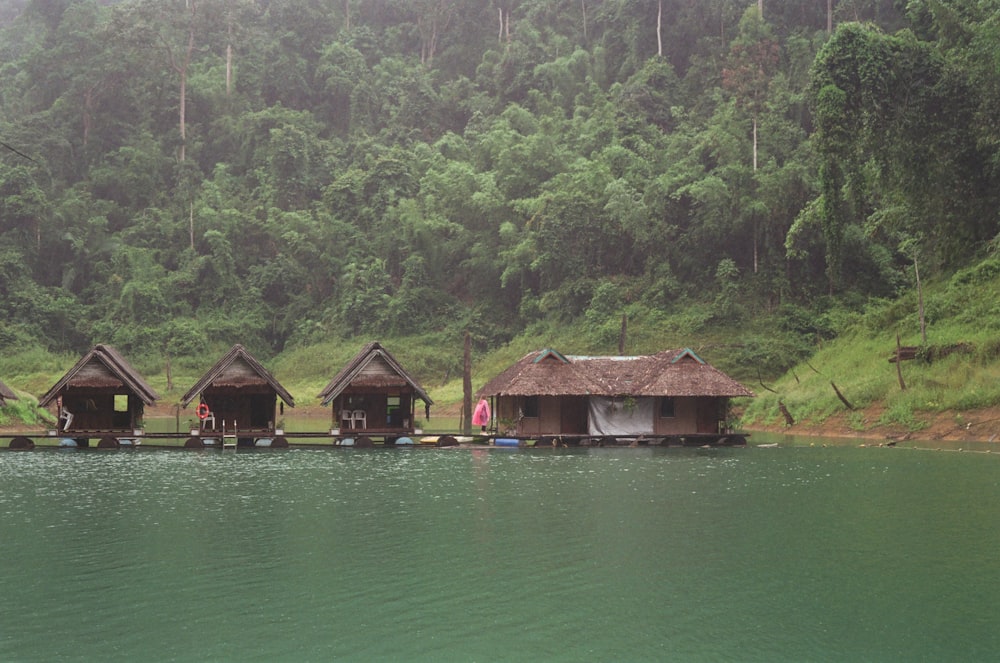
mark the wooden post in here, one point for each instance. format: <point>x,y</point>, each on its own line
<point>467,386</point>
<point>920,304</point>
<point>170,377</point>
<point>622,334</point>
<point>899,364</point>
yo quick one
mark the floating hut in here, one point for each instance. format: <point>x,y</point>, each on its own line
<point>373,393</point>
<point>6,394</point>
<point>671,394</point>
<point>238,397</point>
<point>101,396</point>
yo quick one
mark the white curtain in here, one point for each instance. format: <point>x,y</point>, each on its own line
<point>620,416</point>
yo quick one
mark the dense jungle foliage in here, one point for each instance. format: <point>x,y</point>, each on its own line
<point>180,175</point>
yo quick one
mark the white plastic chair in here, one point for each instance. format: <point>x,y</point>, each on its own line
<point>346,419</point>
<point>360,417</point>
<point>67,416</point>
<point>210,417</point>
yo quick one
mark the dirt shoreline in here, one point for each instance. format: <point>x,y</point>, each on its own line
<point>972,426</point>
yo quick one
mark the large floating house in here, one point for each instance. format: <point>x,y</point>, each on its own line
<point>373,396</point>
<point>671,396</point>
<point>238,399</point>
<point>102,397</point>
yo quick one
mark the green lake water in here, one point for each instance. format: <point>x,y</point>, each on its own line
<point>793,553</point>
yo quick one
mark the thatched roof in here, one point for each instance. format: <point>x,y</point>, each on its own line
<point>543,373</point>
<point>667,373</point>
<point>238,369</point>
<point>6,394</point>
<point>102,368</point>
<point>373,367</point>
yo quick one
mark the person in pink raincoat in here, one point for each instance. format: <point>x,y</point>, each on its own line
<point>481,415</point>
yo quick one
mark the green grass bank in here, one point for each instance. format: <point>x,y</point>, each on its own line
<point>790,356</point>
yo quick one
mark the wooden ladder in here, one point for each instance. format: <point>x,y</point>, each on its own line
<point>229,440</point>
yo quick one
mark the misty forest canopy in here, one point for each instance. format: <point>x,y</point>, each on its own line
<point>276,172</point>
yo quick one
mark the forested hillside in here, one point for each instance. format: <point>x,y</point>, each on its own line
<point>181,175</point>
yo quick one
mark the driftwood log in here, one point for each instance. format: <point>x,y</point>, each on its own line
<point>761,381</point>
<point>930,353</point>
<point>904,353</point>
<point>843,400</point>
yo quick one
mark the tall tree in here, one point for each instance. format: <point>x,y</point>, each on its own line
<point>752,60</point>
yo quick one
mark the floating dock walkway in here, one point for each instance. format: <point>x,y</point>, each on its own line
<point>27,440</point>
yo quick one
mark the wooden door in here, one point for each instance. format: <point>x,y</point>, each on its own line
<point>708,415</point>
<point>573,417</point>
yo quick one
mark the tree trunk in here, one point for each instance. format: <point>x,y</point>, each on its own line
<point>88,105</point>
<point>427,42</point>
<point>756,257</point>
<point>622,334</point>
<point>183,99</point>
<point>229,49</point>
<point>431,27</point>
<point>467,386</point>
<point>920,304</point>
<point>182,68</point>
<point>829,16</point>
<point>659,28</point>
<point>789,419</point>
<point>899,364</point>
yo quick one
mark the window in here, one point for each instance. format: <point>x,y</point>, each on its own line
<point>120,416</point>
<point>667,407</point>
<point>392,411</point>
<point>529,406</point>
